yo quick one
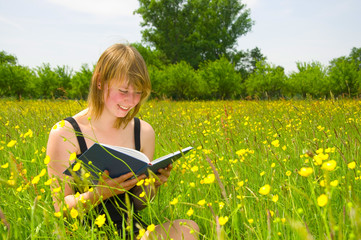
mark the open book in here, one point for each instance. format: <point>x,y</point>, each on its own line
<point>121,160</point>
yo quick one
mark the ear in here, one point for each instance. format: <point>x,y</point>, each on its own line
<point>99,85</point>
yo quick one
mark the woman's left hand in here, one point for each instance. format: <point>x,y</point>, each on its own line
<point>163,175</point>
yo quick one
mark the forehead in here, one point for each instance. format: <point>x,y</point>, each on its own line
<point>124,83</point>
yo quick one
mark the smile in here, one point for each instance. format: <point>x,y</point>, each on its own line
<point>124,108</point>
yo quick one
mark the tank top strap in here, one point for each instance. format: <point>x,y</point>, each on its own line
<point>137,133</point>
<point>78,133</point>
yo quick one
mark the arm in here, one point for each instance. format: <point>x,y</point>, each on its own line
<point>59,151</point>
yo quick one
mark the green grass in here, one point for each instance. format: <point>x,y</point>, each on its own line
<point>240,146</point>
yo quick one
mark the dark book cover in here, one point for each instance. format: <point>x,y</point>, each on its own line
<point>119,161</point>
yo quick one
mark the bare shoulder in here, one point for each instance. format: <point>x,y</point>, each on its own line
<point>61,143</point>
<point>147,136</point>
<point>61,132</point>
<point>146,128</point>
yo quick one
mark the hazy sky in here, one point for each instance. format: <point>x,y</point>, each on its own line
<point>74,32</point>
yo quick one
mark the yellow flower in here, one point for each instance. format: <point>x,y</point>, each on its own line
<point>322,200</point>
<point>6,165</point>
<point>288,173</point>
<point>305,171</point>
<point>57,214</point>
<point>142,194</point>
<point>209,179</point>
<point>76,166</point>
<point>35,180</point>
<point>11,143</point>
<point>140,183</point>
<point>265,189</point>
<point>351,165</point>
<point>174,201</point>
<point>62,123</point>
<point>202,202</point>
<point>74,213</point>
<point>49,181</point>
<point>275,198</point>
<point>100,220</point>
<point>276,143</point>
<point>55,190</point>
<point>329,165</point>
<point>42,173</point>
<point>250,221</point>
<point>194,169</point>
<point>29,133</point>
<point>223,220</point>
<point>46,160</point>
<point>151,228</point>
<point>190,212</point>
<point>75,226</point>
<point>221,205</point>
<point>72,156</point>
<point>240,184</point>
<point>334,183</point>
<point>141,233</point>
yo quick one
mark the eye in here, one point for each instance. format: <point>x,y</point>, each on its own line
<point>123,91</point>
<point>139,92</point>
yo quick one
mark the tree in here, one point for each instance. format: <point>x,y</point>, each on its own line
<point>80,82</point>
<point>266,81</point>
<point>7,58</point>
<point>194,30</point>
<point>245,61</point>
<point>311,79</point>
<point>345,76</point>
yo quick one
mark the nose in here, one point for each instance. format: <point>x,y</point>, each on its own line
<point>131,97</point>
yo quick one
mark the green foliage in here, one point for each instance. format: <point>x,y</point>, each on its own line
<point>151,57</point>
<point>6,58</point>
<point>266,81</point>
<point>311,79</point>
<point>178,81</point>
<point>223,82</point>
<point>345,76</point>
<point>195,30</point>
<point>80,82</point>
<point>16,81</point>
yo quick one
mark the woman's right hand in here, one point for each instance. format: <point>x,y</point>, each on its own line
<point>108,187</point>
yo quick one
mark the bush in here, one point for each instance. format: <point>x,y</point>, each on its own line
<point>267,81</point>
<point>311,79</point>
<point>80,83</point>
<point>17,81</point>
<point>221,79</point>
<point>345,76</point>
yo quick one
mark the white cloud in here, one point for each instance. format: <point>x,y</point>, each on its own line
<point>103,8</point>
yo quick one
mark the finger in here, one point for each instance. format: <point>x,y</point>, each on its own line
<point>124,177</point>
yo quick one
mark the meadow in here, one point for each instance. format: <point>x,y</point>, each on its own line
<point>259,169</point>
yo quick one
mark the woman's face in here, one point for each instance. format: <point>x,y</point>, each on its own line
<point>121,99</point>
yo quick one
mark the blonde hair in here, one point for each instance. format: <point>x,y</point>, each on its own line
<point>118,63</point>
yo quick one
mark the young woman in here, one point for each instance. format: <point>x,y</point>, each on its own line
<point>120,84</point>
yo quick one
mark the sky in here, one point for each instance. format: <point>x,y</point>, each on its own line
<point>76,32</point>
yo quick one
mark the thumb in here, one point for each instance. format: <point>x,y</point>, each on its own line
<point>105,174</point>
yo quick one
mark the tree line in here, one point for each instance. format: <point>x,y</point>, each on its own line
<point>212,80</point>
<point>190,47</point>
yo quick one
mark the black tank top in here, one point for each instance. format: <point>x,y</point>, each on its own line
<point>116,205</point>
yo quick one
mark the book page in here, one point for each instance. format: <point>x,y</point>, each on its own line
<point>131,152</point>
